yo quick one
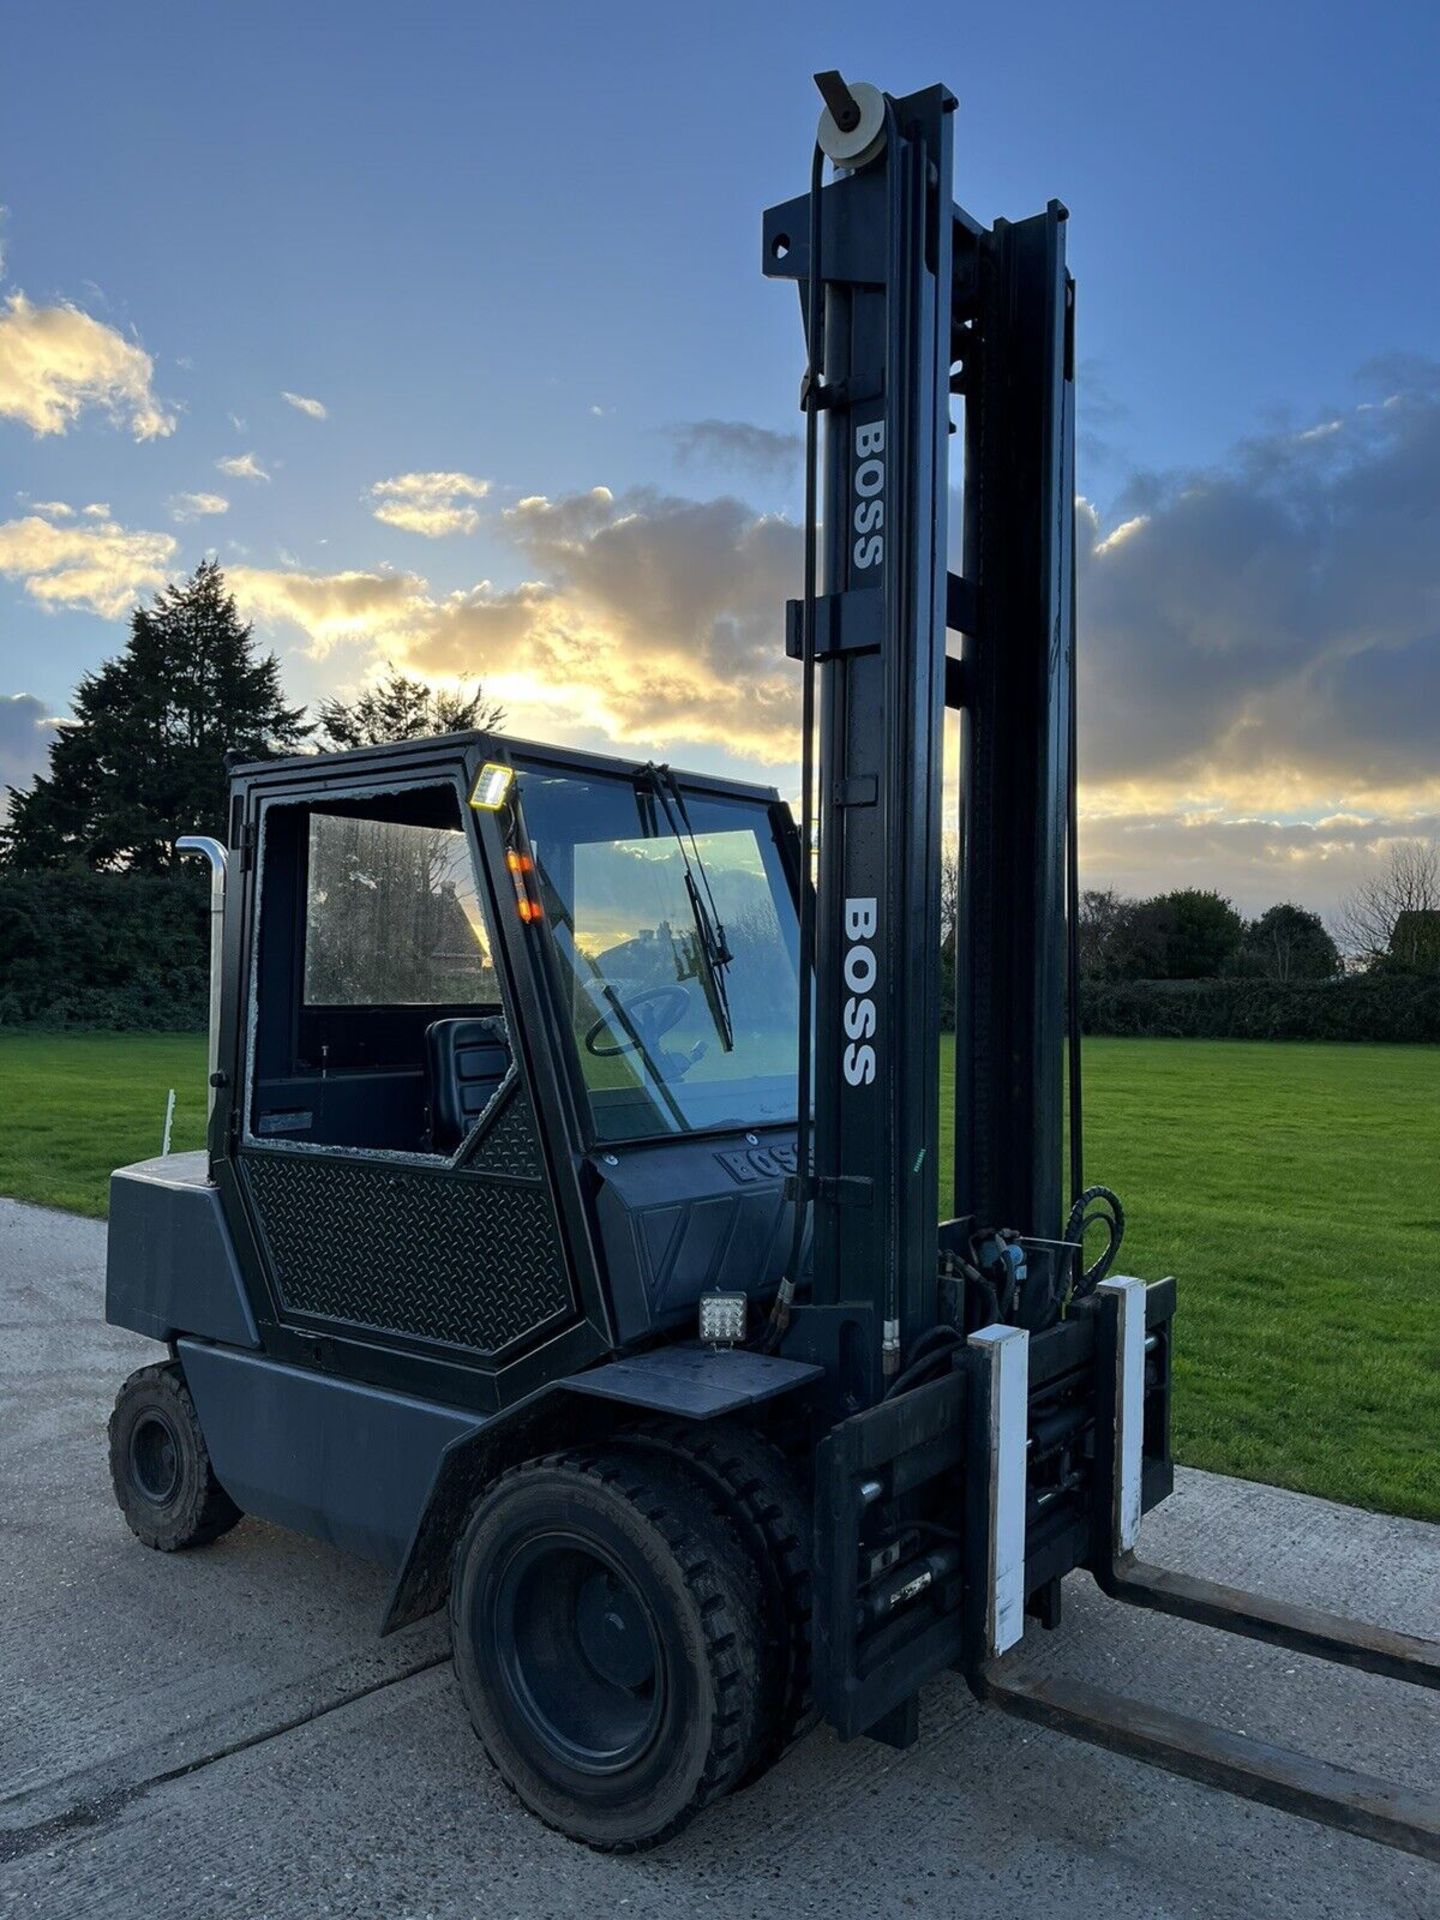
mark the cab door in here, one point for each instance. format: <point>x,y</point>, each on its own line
<point>384,1140</point>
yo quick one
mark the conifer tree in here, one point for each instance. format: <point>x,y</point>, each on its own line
<point>400,707</point>
<point>143,758</point>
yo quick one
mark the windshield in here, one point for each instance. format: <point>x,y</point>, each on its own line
<point>674,1029</point>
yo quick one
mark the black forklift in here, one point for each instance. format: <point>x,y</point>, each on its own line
<point>568,1239</point>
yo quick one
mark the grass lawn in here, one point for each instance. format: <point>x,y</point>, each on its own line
<point>1293,1190</point>
<point>74,1105</point>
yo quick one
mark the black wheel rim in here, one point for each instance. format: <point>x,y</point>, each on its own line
<point>155,1458</point>
<point>577,1652</point>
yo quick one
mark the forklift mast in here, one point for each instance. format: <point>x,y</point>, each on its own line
<point>910,306</point>
<point>1052,1426</point>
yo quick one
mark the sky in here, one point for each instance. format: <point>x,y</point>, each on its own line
<point>444,327</point>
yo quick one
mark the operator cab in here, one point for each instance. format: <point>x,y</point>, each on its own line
<point>512,1037</point>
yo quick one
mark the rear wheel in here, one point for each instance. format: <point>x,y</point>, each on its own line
<point>606,1631</point>
<point>160,1466</point>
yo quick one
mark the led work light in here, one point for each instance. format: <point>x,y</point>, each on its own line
<point>492,785</point>
<point>722,1318</point>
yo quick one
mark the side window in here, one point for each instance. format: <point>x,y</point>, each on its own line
<point>392,916</point>
<point>377,1020</point>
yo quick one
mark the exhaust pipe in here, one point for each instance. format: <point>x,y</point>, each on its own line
<point>219,862</point>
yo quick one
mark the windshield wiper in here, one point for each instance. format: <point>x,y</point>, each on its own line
<point>712,950</point>
<point>559,915</point>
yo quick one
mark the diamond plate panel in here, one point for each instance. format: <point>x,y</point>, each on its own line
<point>509,1147</point>
<point>444,1257</point>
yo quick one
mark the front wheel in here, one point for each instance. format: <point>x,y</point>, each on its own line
<point>160,1465</point>
<point>607,1638</point>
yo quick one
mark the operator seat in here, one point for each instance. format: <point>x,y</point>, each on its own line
<point>466,1059</point>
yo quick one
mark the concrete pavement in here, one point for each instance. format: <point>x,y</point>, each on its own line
<point>222,1732</point>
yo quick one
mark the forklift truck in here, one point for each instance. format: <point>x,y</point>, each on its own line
<point>567,1236</point>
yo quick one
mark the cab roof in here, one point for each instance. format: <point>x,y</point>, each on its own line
<point>436,749</point>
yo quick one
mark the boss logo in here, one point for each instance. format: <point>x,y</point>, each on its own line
<point>860,1017</point>
<point>869,484</point>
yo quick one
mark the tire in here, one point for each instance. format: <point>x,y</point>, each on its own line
<point>160,1466</point>
<point>763,1498</point>
<point>606,1630</point>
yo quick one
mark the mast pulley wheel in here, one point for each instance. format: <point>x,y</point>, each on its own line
<point>852,127</point>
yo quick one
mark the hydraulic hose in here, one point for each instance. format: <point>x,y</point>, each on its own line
<point>1095,1204</point>
<point>1072,908</point>
<point>814,363</point>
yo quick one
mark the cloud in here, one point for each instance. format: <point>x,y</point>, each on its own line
<point>315,408</point>
<point>1260,644</point>
<point>192,506</point>
<point>1119,535</point>
<point>648,619</point>
<point>1271,628</point>
<point>26,730</point>
<point>1255,861</point>
<point>387,609</point>
<point>55,362</point>
<point>97,510</point>
<point>738,444</point>
<point>53,509</point>
<point>242,466</point>
<point>395,614</point>
<point>101,569</point>
<point>666,617</point>
<point>432,504</point>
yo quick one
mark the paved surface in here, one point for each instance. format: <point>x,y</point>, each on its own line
<point>222,1733</point>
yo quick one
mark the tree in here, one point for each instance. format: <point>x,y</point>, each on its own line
<point>1186,935</point>
<point>1379,922</point>
<point>1138,943</point>
<point>1415,941</point>
<point>143,759</point>
<point>949,894</point>
<point>1102,911</point>
<point>401,708</point>
<point>949,926</point>
<point>1289,943</point>
<point>387,918</point>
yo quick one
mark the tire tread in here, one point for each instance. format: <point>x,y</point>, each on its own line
<point>724,1589</point>
<point>210,1512</point>
<point>765,1502</point>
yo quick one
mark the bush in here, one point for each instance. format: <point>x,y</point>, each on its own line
<point>115,950</point>
<point>131,952</point>
<point>1185,935</point>
<point>1375,1006</point>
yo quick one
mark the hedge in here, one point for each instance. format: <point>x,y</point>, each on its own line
<point>81,949</point>
<point>131,951</point>
<point>1395,1007</point>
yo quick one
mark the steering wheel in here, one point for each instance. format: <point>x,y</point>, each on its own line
<point>652,1012</point>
